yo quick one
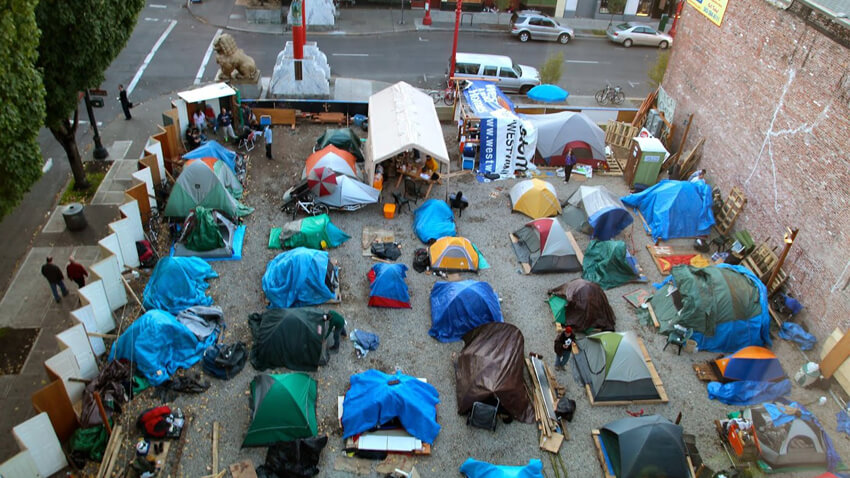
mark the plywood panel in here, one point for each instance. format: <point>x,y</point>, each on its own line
<point>126,230</point>
<point>21,465</point>
<point>54,401</point>
<point>37,436</point>
<point>131,211</point>
<point>279,116</point>
<point>85,316</point>
<point>63,366</point>
<point>77,341</point>
<point>139,194</point>
<point>109,271</point>
<point>145,176</point>
<point>94,294</point>
<point>110,246</point>
<point>151,162</point>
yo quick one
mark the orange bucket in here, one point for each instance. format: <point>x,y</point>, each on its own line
<point>389,211</point>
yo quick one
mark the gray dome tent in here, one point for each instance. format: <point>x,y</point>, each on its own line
<point>645,446</point>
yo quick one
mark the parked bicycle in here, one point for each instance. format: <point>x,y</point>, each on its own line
<point>447,96</point>
<point>300,199</point>
<point>610,94</point>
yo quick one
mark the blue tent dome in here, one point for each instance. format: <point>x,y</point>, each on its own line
<point>458,307</point>
<point>297,278</point>
<point>675,209</point>
<point>432,220</point>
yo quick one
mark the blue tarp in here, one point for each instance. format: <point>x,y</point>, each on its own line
<point>738,334</point>
<point>212,149</point>
<point>158,345</point>
<point>178,283</point>
<point>458,307</point>
<point>388,287</point>
<point>484,97</point>
<point>473,468</point>
<point>375,398</point>
<point>796,333</point>
<point>747,392</point>
<point>297,278</point>
<point>432,220</point>
<point>675,209</point>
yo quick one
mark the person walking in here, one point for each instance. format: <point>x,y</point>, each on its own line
<point>267,135</point>
<point>563,347</point>
<point>569,162</point>
<point>76,272</point>
<point>125,102</point>
<point>336,324</point>
<point>54,277</point>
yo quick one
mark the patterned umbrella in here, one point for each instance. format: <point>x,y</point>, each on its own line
<point>322,181</point>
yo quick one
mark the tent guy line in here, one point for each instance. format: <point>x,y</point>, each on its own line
<point>148,58</point>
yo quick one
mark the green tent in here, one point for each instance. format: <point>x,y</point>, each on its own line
<point>343,138</point>
<point>311,232</point>
<point>202,231</point>
<point>612,363</point>
<point>609,264</point>
<point>198,185</point>
<point>283,409</point>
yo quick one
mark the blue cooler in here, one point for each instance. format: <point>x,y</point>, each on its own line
<point>468,157</point>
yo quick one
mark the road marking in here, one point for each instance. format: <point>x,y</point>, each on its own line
<point>47,165</point>
<point>148,58</point>
<point>206,58</point>
<point>350,54</point>
<point>633,84</point>
<point>423,39</point>
<point>589,62</point>
<point>156,5</point>
<point>149,19</point>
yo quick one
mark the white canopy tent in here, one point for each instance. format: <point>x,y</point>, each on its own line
<point>402,118</point>
<point>198,95</point>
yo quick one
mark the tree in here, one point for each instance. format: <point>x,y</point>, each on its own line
<point>23,101</point>
<point>657,70</point>
<point>616,7</point>
<point>552,69</point>
<point>79,40</point>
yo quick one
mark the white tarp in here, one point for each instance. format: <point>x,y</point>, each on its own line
<point>402,118</point>
<point>350,192</point>
<point>555,130</point>
<point>507,145</point>
<point>204,93</point>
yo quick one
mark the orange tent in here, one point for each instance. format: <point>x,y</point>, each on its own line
<point>334,158</point>
<point>751,363</point>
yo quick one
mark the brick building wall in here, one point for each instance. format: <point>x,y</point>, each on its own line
<point>770,93</point>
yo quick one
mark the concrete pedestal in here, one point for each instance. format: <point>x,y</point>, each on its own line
<point>315,74</point>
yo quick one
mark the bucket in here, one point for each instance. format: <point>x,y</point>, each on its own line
<point>691,346</point>
<point>389,211</point>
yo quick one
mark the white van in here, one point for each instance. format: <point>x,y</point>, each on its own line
<point>510,77</point>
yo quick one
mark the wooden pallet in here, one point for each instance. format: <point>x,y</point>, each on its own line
<point>600,455</point>
<point>761,261</point>
<point>705,372</point>
<point>656,381</point>
<point>732,207</point>
<point>620,134</point>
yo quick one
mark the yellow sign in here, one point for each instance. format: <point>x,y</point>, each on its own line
<point>713,9</point>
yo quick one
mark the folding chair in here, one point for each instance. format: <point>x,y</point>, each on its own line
<point>401,201</point>
<point>246,140</point>
<point>413,189</point>
<point>483,415</point>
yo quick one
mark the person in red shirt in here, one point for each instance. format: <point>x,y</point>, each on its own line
<point>76,272</point>
<point>563,347</point>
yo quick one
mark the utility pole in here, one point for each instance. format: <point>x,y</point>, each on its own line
<point>454,43</point>
<point>402,13</point>
<point>99,151</point>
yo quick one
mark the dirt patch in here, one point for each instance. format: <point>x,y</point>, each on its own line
<point>15,347</point>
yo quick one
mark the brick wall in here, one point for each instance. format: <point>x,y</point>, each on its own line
<point>771,95</point>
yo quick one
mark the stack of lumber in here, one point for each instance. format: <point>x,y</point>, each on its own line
<point>544,396</point>
<point>833,358</point>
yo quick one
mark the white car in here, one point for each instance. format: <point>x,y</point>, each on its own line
<point>628,34</point>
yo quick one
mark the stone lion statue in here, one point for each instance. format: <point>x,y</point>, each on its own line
<point>234,64</point>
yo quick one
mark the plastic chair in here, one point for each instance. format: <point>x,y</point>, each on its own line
<point>401,201</point>
<point>483,415</point>
<point>679,336</point>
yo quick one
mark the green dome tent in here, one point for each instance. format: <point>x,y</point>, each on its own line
<point>614,368</point>
<point>198,185</point>
<point>311,232</point>
<point>283,409</point>
<point>609,264</point>
<point>343,138</point>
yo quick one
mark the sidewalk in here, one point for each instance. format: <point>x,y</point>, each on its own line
<point>371,20</point>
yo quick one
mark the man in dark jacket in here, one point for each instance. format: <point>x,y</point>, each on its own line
<point>563,347</point>
<point>125,102</point>
<point>54,277</point>
<point>336,324</point>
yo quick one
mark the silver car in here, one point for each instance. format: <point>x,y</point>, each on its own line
<point>531,25</point>
<point>629,34</point>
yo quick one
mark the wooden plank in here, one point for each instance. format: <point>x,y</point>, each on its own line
<point>652,315</point>
<point>835,357</point>
<point>606,473</point>
<point>656,379</point>
<point>243,469</point>
<point>705,372</point>
<point>552,443</point>
<point>279,116</point>
<point>842,374</point>
<point>579,252</point>
<point>215,448</point>
<point>53,399</point>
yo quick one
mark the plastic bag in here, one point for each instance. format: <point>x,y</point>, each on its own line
<point>795,333</point>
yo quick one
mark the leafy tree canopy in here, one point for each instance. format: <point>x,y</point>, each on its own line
<point>22,96</point>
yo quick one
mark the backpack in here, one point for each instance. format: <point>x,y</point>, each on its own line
<point>225,361</point>
<point>154,422</point>
<point>146,253</point>
<point>566,408</point>
<point>421,261</point>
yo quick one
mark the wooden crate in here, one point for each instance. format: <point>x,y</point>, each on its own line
<point>732,207</point>
<point>762,262</point>
<point>620,134</point>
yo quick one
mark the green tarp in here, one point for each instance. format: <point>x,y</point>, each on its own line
<point>283,409</point>
<point>606,263</point>
<point>90,442</point>
<point>311,232</point>
<point>710,296</point>
<point>343,138</point>
<point>204,234</point>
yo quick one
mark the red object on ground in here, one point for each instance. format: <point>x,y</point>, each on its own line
<point>427,20</point>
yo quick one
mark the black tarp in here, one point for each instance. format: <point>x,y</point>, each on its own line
<point>291,338</point>
<point>645,446</point>
<point>293,459</point>
<point>492,365</point>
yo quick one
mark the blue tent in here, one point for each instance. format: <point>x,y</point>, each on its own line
<point>388,288</point>
<point>178,283</point>
<point>212,149</point>
<point>675,209</point>
<point>375,398</point>
<point>432,220</point>
<point>548,93</point>
<point>158,345</point>
<point>299,277</point>
<point>458,307</point>
<point>473,468</point>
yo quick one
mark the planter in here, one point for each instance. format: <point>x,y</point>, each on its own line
<point>261,15</point>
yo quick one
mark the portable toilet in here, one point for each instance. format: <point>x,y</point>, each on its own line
<point>648,153</point>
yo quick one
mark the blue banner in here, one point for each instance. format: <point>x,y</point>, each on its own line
<point>487,162</point>
<point>484,97</point>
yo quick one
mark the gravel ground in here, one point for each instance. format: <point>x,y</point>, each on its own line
<point>406,345</point>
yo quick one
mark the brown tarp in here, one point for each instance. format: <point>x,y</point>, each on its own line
<point>587,305</point>
<point>492,365</point>
<point>110,382</point>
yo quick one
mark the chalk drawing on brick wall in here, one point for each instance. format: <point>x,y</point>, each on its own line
<point>841,283</point>
<point>772,132</point>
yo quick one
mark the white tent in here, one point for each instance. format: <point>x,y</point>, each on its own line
<point>349,193</point>
<point>555,130</point>
<point>402,118</point>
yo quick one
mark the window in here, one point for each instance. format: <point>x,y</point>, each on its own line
<point>603,8</point>
<point>535,22</point>
<point>466,68</point>
<point>507,73</point>
<point>490,71</point>
<point>644,7</point>
<point>547,23</point>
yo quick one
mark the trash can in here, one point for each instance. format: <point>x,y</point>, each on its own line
<point>663,23</point>
<point>75,219</point>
